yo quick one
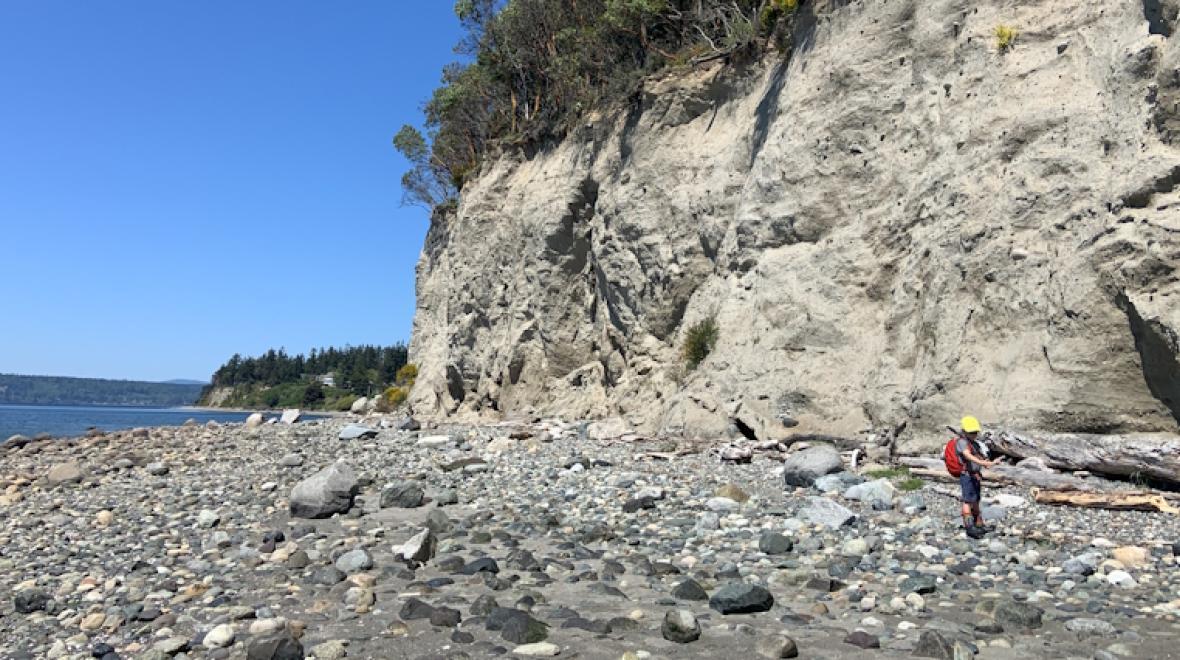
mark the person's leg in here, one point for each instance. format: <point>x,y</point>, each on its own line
<point>975,507</point>
<point>967,485</point>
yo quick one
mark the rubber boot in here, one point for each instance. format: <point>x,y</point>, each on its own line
<point>969,526</point>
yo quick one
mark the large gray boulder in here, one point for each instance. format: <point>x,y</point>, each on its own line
<point>291,415</point>
<point>325,493</point>
<point>804,467</point>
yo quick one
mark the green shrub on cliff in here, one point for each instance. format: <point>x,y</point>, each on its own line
<point>407,375</point>
<point>1005,37</point>
<point>699,342</point>
<point>534,68</point>
<point>392,398</point>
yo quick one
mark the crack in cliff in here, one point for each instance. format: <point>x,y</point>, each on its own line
<point>1156,345</point>
<point>1157,23</point>
<point>768,110</point>
<point>1141,199</point>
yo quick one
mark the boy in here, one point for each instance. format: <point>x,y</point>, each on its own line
<point>970,457</point>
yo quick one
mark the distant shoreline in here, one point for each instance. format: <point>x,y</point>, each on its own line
<point>275,411</point>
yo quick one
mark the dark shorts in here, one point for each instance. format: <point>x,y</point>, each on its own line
<point>970,486</point>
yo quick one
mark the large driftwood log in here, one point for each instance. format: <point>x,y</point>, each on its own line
<point>1152,455</point>
<point>1115,501</point>
<point>1001,474</point>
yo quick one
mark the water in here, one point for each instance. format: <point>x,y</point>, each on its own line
<point>68,421</point>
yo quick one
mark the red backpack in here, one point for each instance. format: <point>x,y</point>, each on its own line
<point>950,456</point>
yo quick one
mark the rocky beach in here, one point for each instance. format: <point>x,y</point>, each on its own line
<point>334,539</point>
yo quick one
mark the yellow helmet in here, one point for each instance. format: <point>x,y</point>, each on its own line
<point>970,425</point>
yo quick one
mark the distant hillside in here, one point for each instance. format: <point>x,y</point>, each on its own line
<point>61,391</point>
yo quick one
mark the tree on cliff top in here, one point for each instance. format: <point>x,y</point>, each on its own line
<point>533,67</point>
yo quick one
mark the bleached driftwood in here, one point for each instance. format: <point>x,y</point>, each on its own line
<point>1115,501</point>
<point>1001,474</point>
<point>1155,456</point>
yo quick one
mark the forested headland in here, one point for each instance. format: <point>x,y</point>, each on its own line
<point>64,391</point>
<point>326,378</point>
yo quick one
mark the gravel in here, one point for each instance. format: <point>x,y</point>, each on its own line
<point>200,556</point>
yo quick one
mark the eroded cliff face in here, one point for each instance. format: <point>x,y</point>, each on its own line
<point>893,226</point>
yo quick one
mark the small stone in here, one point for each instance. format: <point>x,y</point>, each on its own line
<point>419,548</point>
<point>915,601</point>
<point>354,561</point>
<point>64,473</point>
<point>445,617</point>
<point>681,626</point>
<point>156,469</point>
<point>1121,579</point>
<point>690,590</point>
<point>776,646</point>
<point>919,584</point>
<point>219,637</point>
<point>29,601</point>
<point>708,521</point>
<point>538,650</point>
<point>275,646</point>
<point>521,628</point>
<point>481,565</point>
<point>863,640</point>
<point>1095,627</point>
<point>104,518</point>
<point>402,495</point>
<point>1132,556</point>
<point>207,519</point>
<point>330,650</point>
<point>415,608</point>
<point>741,598</point>
<point>171,645</point>
<point>933,644</point>
<point>732,492</point>
<point>773,543</point>
<point>855,548</point>
<point>92,621</point>
<point>722,505</point>
<point>1011,614</point>
<point>291,460</point>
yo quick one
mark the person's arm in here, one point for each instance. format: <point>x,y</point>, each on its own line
<point>970,455</point>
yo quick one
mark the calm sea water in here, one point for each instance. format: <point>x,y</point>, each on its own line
<point>67,421</point>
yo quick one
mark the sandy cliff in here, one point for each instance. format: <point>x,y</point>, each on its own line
<point>896,224</point>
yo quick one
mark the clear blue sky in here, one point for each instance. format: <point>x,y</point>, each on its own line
<point>180,181</point>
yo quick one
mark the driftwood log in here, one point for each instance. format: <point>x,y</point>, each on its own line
<point>1008,475</point>
<point>1115,501</point>
<point>1154,456</point>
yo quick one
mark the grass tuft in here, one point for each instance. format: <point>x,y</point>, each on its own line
<point>1005,37</point>
<point>910,485</point>
<point>891,473</point>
